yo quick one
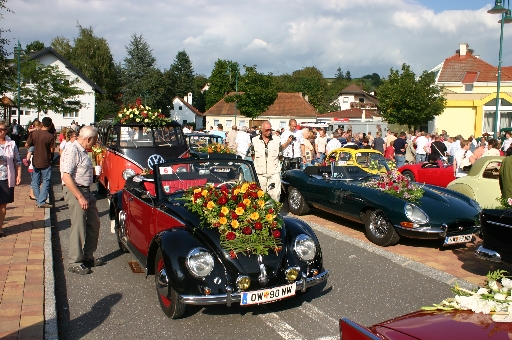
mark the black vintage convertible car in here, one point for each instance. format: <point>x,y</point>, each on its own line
<point>439,214</point>
<point>496,235</point>
<point>190,254</point>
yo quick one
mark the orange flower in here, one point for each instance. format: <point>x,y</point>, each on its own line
<point>223,220</point>
<point>197,190</point>
<point>236,192</point>
<point>255,216</point>
<point>261,203</point>
<point>261,193</point>
<point>204,193</point>
<point>210,205</point>
<point>269,217</point>
<point>247,202</point>
<point>235,224</point>
<point>224,210</point>
<point>244,188</point>
<point>239,211</point>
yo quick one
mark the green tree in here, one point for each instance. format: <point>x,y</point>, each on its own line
<point>105,109</point>
<point>311,82</point>
<point>339,74</point>
<point>7,71</point>
<point>34,46</point>
<point>198,96</point>
<point>407,100</point>
<point>46,88</point>
<point>348,76</point>
<point>181,74</point>
<point>62,46</point>
<point>258,93</point>
<point>222,81</point>
<point>140,78</point>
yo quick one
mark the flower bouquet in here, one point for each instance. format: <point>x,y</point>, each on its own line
<point>494,298</point>
<point>141,114</point>
<point>98,152</point>
<point>396,184</point>
<point>215,148</point>
<point>246,217</point>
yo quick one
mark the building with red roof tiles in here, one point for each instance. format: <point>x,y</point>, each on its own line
<point>285,107</point>
<point>183,112</point>
<point>470,90</point>
<point>353,96</point>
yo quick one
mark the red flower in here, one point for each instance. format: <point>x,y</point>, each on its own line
<point>253,186</point>
<point>247,230</point>
<point>234,216</point>
<point>216,224</point>
<point>221,215</point>
<point>224,189</point>
<point>255,207</point>
<point>254,195</point>
<point>276,234</point>
<point>233,197</point>
<point>230,236</point>
<point>246,195</point>
<point>222,200</point>
<point>241,205</point>
<point>258,226</point>
<point>270,211</point>
<point>197,195</point>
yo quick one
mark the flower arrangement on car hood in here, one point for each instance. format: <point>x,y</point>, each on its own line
<point>396,184</point>
<point>215,147</point>
<point>141,114</point>
<point>494,298</point>
<point>246,217</point>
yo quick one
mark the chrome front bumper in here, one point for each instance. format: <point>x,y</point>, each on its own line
<point>230,297</point>
<point>487,254</point>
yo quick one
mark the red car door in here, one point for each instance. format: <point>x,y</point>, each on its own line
<point>140,220</point>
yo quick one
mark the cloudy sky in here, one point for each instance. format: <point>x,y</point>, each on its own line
<point>278,36</point>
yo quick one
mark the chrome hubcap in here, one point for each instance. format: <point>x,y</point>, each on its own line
<point>378,224</point>
<point>162,282</point>
<point>122,228</point>
<point>295,198</point>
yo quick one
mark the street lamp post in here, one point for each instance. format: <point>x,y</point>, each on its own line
<point>17,52</point>
<point>236,85</point>
<point>505,19</point>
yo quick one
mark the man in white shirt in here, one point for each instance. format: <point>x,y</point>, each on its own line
<point>421,144</point>
<point>334,143</point>
<point>320,144</point>
<point>242,142</point>
<point>507,142</point>
<point>293,147</point>
<point>186,129</point>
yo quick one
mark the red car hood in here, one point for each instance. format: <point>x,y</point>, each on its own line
<point>452,325</point>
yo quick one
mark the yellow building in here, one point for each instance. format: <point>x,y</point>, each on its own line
<point>470,91</point>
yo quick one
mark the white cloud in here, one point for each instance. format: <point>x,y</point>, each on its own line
<point>279,36</point>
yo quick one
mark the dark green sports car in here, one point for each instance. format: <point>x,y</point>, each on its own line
<point>343,190</point>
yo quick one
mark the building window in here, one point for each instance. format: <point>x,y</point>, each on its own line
<point>361,99</point>
<point>229,123</point>
<point>282,125</point>
<point>71,115</point>
<point>215,123</point>
<point>14,112</point>
<point>345,99</point>
<point>241,123</point>
<point>184,121</point>
<point>180,108</point>
<point>468,87</point>
<point>489,119</point>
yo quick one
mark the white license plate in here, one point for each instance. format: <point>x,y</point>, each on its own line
<point>458,239</point>
<point>267,295</point>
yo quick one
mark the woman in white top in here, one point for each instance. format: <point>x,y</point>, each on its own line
<point>493,149</point>
<point>463,157</point>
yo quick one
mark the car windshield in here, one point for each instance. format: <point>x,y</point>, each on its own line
<point>141,136</point>
<point>364,158</point>
<point>176,177</point>
<point>197,141</point>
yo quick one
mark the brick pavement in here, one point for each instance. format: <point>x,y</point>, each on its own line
<point>22,255</point>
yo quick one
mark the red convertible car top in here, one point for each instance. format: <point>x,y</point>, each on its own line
<point>435,173</point>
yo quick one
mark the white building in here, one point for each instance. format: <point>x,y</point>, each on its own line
<point>85,115</point>
<point>184,113</point>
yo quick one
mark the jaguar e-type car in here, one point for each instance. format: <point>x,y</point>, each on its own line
<point>430,325</point>
<point>192,262</point>
<point>438,214</point>
<point>496,235</point>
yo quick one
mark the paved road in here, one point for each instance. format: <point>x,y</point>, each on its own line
<point>367,284</point>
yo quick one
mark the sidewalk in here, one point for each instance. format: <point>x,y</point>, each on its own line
<point>24,275</point>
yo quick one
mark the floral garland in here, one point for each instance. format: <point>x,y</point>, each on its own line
<point>215,147</point>
<point>246,217</point>
<point>141,114</point>
<point>376,165</point>
<point>495,297</point>
<point>505,203</point>
<point>396,184</point>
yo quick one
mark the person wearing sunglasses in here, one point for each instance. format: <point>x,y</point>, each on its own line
<point>10,171</point>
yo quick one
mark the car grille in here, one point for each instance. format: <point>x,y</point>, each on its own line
<point>460,226</point>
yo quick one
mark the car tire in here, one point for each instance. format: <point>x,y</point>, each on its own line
<point>120,230</point>
<point>409,175</point>
<point>172,307</point>
<point>379,229</point>
<point>296,203</point>
<point>101,188</point>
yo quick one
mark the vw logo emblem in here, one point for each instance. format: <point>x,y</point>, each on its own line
<point>155,159</point>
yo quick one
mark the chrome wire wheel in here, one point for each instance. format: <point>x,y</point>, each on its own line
<point>379,225</point>
<point>296,203</point>
<point>295,199</point>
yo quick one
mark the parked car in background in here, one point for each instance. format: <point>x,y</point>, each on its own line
<point>190,262</point>
<point>482,182</point>
<point>435,173</point>
<point>439,214</point>
<point>430,325</point>
<point>133,147</point>
<point>366,159</point>
<point>497,236</point>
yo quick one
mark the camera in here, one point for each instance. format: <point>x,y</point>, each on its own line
<point>293,138</point>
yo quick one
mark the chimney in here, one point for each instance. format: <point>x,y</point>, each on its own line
<point>363,116</point>
<point>463,48</point>
<point>306,98</point>
<point>189,95</point>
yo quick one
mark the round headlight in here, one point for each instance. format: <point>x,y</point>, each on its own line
<point>415,214</point>
<point>199,262</point>
<point>304,247</point>
<point>128,173</point>
<point>181,169</point>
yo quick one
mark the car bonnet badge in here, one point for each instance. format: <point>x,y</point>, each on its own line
<point>167,189</point>
<point>155,159</point>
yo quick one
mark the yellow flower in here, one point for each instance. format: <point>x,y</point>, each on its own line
<point>239,211</point>
<point>269,217</point>
<point>244,188</point>
<point>210,205</point>
<point>204,193</point>
<point>261,193</point>
<point>247,202</point>
<point>197,190</point>
<point>237,191</point>
<point>235,224</point>
<point>255,216</point>
<point>224,210</point>
<point>223,220</point>
<point>261,203</point>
